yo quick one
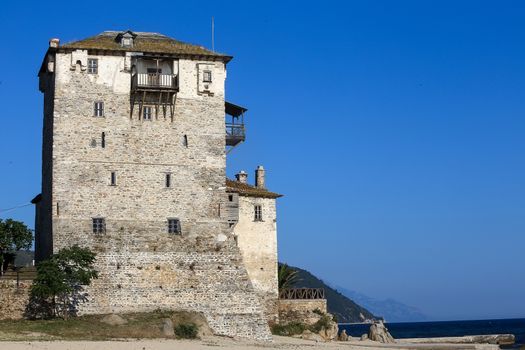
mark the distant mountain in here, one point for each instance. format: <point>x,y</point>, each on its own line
<point>339,305</point>
<point>391,310</point>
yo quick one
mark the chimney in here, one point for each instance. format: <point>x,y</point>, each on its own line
<point>54,43</point>
<point>242,177</point>
<point>259,177</point>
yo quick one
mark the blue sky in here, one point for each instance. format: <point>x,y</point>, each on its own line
<point>394,129</point>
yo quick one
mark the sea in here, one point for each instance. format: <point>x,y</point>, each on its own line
<point>514,326</point>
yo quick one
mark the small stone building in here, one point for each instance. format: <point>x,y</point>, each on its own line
<point>253,217</point>
<point>136,129</point>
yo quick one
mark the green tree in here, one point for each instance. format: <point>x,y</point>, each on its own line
<point>14,235</point>
<point>287,277</point>
<point>58,289</point>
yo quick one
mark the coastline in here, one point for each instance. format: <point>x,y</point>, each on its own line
<point>464,331</point>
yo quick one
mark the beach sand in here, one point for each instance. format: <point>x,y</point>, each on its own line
<point>226,343</point>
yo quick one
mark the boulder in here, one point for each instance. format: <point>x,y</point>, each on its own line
<point>114,320</point>
<point>343,336</point>
<point>185,317</point>
<point>311,336</point>
<point>167,328</point>
<point>378,332</point>
<point>330,332</point>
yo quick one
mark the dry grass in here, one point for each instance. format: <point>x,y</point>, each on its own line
<point>140,325</point>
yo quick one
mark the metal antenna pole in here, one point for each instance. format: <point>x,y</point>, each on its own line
<point>212,34</point>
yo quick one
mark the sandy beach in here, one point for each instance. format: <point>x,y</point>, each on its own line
<point>226,343</point>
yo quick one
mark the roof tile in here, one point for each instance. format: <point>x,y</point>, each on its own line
<point>248,190</point>
<point>144,42</point>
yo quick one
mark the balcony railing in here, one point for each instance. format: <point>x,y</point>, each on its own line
<point>235,133</point>
<point>154,81</point>
<point>301,293</point>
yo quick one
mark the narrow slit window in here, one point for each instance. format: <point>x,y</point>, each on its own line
<point>113,179</point>
<point>99,109</point>
<point>92,66</point>
<point>185,141</point>
<point>206,76</point>
<point>258,213</point>
<point>168,180</point>
<point>99,225</point>
<point>103,140</point>
<point>146,113</point>
<point>174,226</point>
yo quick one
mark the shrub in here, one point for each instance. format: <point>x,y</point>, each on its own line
<point>289,329</point>
<point>318,312</point>
<point>323,323</point>
<point>187,330</point>
<point>58,288</point>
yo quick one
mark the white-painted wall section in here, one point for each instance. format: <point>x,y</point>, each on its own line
<point>257,241</point>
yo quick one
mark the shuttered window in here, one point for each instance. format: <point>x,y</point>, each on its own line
<point>92,66</point>
<point>174,226</point>
<point>146,113</point>
<point>98,109</point>
<point>99,225</point>
<point>206,76</point>
<point>258,213</point>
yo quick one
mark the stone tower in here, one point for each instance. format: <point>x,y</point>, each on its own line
<point>134,168</point>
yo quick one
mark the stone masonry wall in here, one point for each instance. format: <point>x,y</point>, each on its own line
<point>12,299</point>
<point>300,310</point>
<point>143,267</point>
<point>257,241</point>
<point>43,220</point>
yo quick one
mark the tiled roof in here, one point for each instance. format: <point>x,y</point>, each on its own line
<point>248,190</point>
<point>144,42</point>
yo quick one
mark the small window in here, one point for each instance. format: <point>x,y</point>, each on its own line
<point>99,109</point>
<point>103,140</point>
<point>168,180</point>
<point>185,141</point>
<point>146,113</point>
<point>92,66</point>
<point>99,225</point>
<point>258,213</point>
<point>230,197</point>
<point>174,226</point>
<point>113,179</point>
<point>206,76</point>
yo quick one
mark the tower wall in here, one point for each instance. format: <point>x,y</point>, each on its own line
<point>142,266</point>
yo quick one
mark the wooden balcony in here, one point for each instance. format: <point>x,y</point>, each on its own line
<point>154,82</point>
<point>235,134</point>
